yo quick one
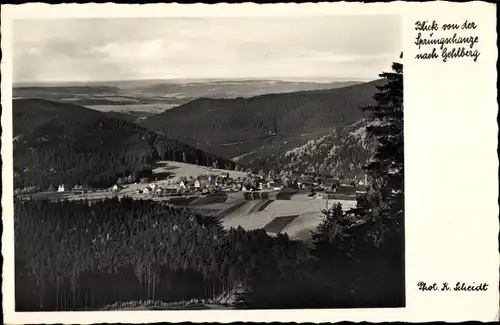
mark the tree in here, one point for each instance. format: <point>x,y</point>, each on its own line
<point>383,205</point>
<point>333,228</point>
<point>130,179</point>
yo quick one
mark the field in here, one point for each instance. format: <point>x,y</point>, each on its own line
<point>178,170</point>
<point>278,224</point>
<point>125,108</point>
<point>296,217</point>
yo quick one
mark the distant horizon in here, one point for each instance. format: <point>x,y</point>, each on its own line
<point>320,79</point>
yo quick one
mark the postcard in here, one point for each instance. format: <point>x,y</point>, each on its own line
<point>242,162</point>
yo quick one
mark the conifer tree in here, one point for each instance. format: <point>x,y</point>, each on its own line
<point>383,205</point>
<point>332,228</point>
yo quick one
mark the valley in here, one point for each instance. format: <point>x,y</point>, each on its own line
<point>285,134</point>
<point>265,165</point>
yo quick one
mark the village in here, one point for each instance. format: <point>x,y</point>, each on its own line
<point>188,180</point>
<point>210,182</point>
<point>280,204</point>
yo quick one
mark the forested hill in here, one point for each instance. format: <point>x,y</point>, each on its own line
<point>57,143</point>
<point>343,153</point>
<point>236,127</point>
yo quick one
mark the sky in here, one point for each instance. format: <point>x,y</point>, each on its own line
<point>101,49</point>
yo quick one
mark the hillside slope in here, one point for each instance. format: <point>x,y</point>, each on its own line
<point>57,143</point>
<point>249,128</point>
<point>343,152</point>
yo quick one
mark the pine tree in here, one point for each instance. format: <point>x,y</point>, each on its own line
<point>332,229</point>
<point>383,205</point>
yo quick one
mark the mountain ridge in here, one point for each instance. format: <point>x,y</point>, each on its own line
<point>228,127</point>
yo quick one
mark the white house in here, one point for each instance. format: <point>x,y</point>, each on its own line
<point>60,188</point>
<point>182,185</point>
<point>361,189</point>
<point>197,184</point>
<point>115,187</point>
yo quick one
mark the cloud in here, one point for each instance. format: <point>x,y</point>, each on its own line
<point>105,49</point>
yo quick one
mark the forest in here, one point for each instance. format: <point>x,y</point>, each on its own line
<point>67,144</point>
<point>76,256</point>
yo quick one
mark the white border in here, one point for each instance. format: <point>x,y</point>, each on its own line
<point>450,152</point>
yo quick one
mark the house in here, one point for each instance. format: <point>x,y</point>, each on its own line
<point>274,185</point>
<point>115,187</point>
<point>361,189</point>
<point>347,189</point>
<point>331,184</point>
<point>182,185</point>
<point>60,188</point>
<point>197,184</point>
<point>146,190</point>
<point>306,182</point>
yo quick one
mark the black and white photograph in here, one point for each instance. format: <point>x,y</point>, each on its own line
<point>201,163</point>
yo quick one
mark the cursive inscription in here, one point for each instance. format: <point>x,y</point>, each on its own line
<point>445,286</point>
<point>462,286</point>
<point>446,41</point>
